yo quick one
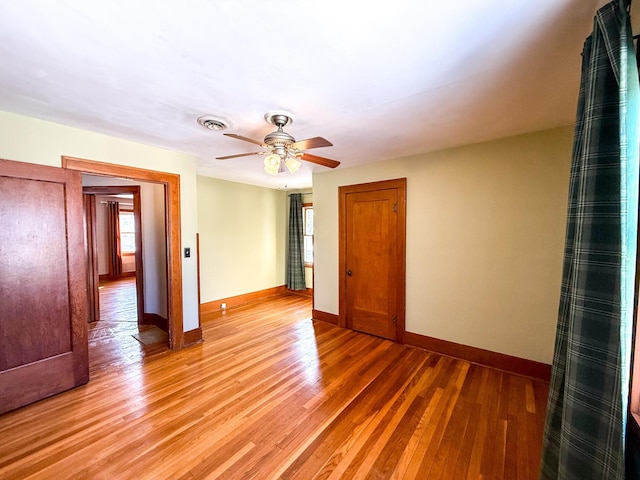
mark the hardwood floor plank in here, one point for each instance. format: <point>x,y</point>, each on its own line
<point>272,394</point>
<point>118,301</point>
<point>356,409</point>
<point>448,454</point>
<point>375,463</point>
<point>426,429</point>
<point>440,422</point>
<point>397,427</point>
<point>464,444</point>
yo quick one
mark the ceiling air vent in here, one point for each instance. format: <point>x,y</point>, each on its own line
<point>213,123</point>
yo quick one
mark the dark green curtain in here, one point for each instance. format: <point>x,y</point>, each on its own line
<point>587,406</point>
<point>295,257</point>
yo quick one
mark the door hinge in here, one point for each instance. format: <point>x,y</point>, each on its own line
<point>394,319</point>
<point>395,207</point>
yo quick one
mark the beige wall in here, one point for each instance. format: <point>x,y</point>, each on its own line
<point>485,236</point>
<point>155,248</point>
<point>35,141</point>
<point>242,238</point>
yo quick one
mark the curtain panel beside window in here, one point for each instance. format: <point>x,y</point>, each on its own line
<point>295,256</point>
<point>584,436</point>
<point>113,232</point>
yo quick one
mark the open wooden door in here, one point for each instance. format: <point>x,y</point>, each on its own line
<point>372,258</point>
<point>43,312</point>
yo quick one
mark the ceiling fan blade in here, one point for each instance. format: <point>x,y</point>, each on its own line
<point>314,142</point>
<point>239,155</point>
<point>240,137</point>
<point>325,162</point>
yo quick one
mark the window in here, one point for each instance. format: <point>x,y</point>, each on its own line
<point>307,215</point>
<point>127,233</point>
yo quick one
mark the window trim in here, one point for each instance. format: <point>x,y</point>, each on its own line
<point>306,206</point>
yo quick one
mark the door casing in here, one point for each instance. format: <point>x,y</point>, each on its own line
<point>171,184</point>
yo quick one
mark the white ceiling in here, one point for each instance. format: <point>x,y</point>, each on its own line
<point>378,79</point>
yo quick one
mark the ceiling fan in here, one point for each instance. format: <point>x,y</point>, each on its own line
<point>282,150</point>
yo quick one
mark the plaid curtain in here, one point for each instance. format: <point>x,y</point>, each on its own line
<point>587,404</point>
<point>295,258</point>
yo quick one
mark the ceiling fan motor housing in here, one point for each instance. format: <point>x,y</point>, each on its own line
<point>279,138</point>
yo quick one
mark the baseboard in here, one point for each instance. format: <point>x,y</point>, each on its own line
<point>501,361</point>
<point>155,319</point>
<point>325,317</point>
<point>238,300</point>
<point>303,293</point>
<point>191,337</point>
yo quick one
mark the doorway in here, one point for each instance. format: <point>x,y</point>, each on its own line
<point>171,185</point>
<point>372,226</point>
<point>108,257</point>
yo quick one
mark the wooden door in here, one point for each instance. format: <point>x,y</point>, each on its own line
<point>372,258</point>
<point>43,311</point>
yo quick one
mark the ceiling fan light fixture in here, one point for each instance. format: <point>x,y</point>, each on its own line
<point>292,164</point>
<point>272,164</point>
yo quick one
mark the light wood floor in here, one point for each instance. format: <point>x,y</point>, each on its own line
<point>271,394</point>
<point>111,341</point>
<point>118,301</point>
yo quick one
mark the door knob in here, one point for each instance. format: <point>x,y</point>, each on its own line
<point>349,272</point>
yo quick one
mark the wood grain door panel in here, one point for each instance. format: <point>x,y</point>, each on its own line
<point>43,331</point>
<point>371,243</point>
<point>31,254</point>
<point>372,259</point>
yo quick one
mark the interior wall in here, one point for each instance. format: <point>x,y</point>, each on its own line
<point>155,248</point>
<point>242,238</point>
<point>30,140</point>
<point>485,238</point>
<point>101,234</point>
